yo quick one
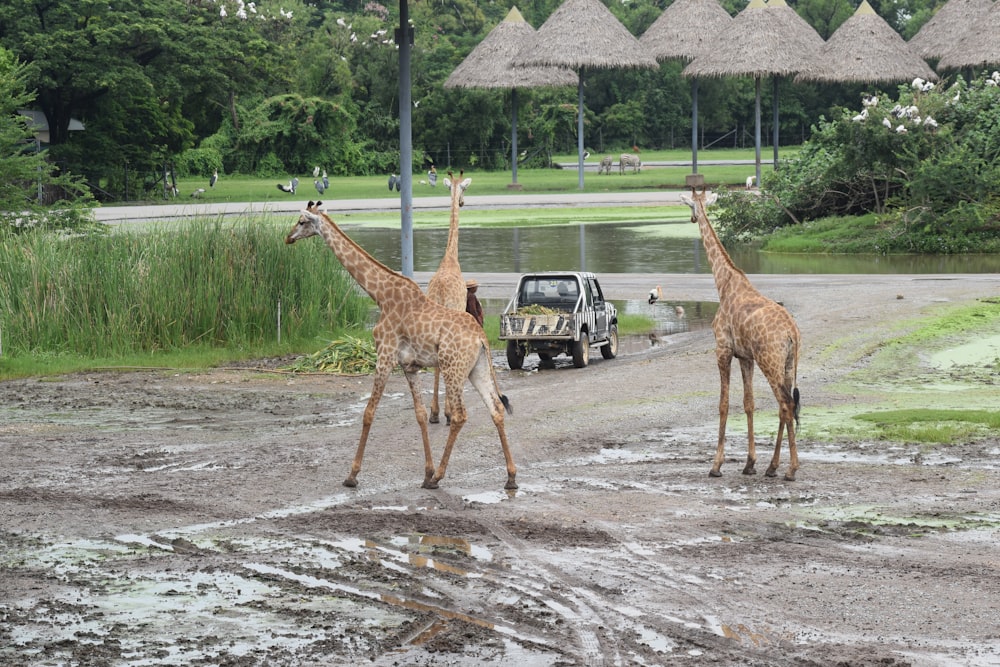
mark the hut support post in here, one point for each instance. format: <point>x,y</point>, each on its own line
<point>513,135</point>
<point>756,129</point>
<point>694,126</point>
<point>405,142</point>
<point>774,104</point>
<point>579,130</point>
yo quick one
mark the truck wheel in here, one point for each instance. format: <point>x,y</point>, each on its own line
<point>515,355</point>
<point>581,350</point>
<point>610,349</point>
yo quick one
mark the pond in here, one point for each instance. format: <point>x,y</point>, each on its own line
<point>670,247</point>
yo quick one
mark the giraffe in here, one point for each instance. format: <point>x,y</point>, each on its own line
<point>752,328</point>
<point>415,333</point>
<point>447,286</point>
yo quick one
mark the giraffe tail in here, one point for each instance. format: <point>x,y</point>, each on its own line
<point>798,405</point>
<point>506,404</point>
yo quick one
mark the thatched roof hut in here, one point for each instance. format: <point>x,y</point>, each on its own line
<point>763,40</point>
<point>584,34</point>
<point>865,49</point>
<point>685,29</point>
<point>671,37</point>
<point>581,35</point>
<point>948,26</point>
<point>489,64</point>
<point>979,47</point>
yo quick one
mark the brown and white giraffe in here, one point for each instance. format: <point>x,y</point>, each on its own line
<point>415,333</point>
<point>447,286</point>
<point>751,328</point>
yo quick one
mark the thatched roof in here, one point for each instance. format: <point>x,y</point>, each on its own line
<point>948,26</point>
<point>980,47</point>
<point>584,34</point>
<point>762,40</point>
<point>489,64</point>
<point>685,29</point>
<point>865,49</point>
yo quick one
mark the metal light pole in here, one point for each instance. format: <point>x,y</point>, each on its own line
<point>404,38</point>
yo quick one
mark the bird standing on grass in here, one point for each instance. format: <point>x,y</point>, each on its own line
<point>326,180</point>
<point>215,177</point>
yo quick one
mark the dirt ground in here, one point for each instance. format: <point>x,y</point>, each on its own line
<point>160,517</point>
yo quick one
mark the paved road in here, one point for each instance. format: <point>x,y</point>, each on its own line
<point>119,214</point>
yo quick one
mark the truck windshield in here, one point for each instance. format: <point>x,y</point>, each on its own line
<point>549,290</point>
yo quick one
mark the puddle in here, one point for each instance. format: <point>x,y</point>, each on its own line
<point>982,352</point>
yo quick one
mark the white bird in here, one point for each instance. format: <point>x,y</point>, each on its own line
<point>341,22</point>
<point>198,193</point>
<point>927,87</point>
<point>887,123</point>
<point>222,12</point>
<point>316,171</point>
<point>861,116</point>
<point>750,181</point>
<point>869,100</point>
<point>286,188</point>
<point>930,122</point>
<point>900,129</point>
<point>918,83</point>
<point>995,76</point>
<point>586,154</point>
<point>416,103</point>
<point>213,179</point>
<point>991,82</point>
<point>655,294</point>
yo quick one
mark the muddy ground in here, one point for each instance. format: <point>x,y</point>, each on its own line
<point>161,517</point>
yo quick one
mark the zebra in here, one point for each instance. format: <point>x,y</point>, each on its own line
<point>605,166</point>
<point>629,160</point>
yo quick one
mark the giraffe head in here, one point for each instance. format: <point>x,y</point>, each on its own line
<point>309,223</point>
<point>705,199</point>
<point>451,184</point>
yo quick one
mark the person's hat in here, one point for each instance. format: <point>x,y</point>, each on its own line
<point>469,284</point>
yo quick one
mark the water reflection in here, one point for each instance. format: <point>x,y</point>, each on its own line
<point>629,248</point>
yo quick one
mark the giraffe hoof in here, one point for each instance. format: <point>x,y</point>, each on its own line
<point>434,419</point>
<point>789,477</point>
<point>771,472</point>
<point>510,485</point>
<point>429,484</point>
<point>715,473</point>
<point>749,470</point>
<point>350,482</point>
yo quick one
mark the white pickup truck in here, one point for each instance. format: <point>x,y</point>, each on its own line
<point>558,312</point>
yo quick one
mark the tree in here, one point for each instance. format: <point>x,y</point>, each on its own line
<point>25,175</point>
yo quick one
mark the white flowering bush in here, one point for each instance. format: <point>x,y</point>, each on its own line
<point>926,164</point>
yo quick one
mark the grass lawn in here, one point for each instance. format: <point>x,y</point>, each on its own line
<point>238,188</point>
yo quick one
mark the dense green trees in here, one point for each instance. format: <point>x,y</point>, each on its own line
<point>25,175</point>
<point>928,163</point>
<point>274,88</point>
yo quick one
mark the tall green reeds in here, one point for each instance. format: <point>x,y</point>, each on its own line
<point>206,282</point>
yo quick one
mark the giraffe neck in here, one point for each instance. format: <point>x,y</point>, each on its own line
<point>375,278</point>
<point>727,275</point>
<point>451,250</point>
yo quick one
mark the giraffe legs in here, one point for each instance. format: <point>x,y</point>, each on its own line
<point>435,405</point>
<point>746,368</point>
<point>484,382</point>
<point>786,418</point>
<point>725,361</point>
<point>378,387</point>
<point>421,413</point>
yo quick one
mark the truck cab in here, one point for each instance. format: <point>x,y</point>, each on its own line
<point>559,312</point>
